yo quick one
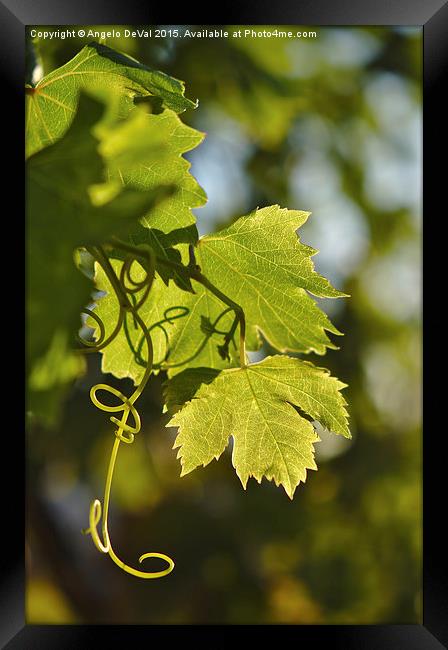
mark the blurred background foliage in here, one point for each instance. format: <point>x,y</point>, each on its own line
<point>331,125</point>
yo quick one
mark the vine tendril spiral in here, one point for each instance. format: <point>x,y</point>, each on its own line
<point>125,432</point>
<point>126,288</point>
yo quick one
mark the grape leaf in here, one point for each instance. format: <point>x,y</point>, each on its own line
<point>60,217</point>
<point>51,104</point>
<point>142,152</point>
<point>255,405</point>
<point>136,166</point>
<point>260,263</point>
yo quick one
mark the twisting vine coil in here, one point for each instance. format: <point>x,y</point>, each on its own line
<point>124,286</point>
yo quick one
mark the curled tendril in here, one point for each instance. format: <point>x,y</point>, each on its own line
<point>169,316</point>
<point>126,406</point>
<point>145,283</point>
<point>122,288</point>
<point>207,334</point>
<point>99,322</point>
<point>126,288</point>
<point>125,432</point>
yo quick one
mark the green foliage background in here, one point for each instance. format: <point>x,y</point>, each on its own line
<point>332,126</point>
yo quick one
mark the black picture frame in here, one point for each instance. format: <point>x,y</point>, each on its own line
<point>432,15</point>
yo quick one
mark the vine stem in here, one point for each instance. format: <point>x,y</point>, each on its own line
<point>239,313</point>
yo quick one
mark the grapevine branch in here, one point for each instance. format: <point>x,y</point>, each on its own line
<point>125,432</point>
<point>125,287</point>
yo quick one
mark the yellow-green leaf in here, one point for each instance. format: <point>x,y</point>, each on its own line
<point>51,104</point>
<point>255,405</point>
<point>260,263</point>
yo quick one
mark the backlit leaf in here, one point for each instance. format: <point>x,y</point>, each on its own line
<point>51,104</point>
<point>255,406</point>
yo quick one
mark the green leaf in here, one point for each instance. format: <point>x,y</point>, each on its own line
<point>255,406</point>
<point>146,151</point>
<point>141,152</point>
<point>62,216</point>
<point>260,263</point>
<point>51,104</point>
